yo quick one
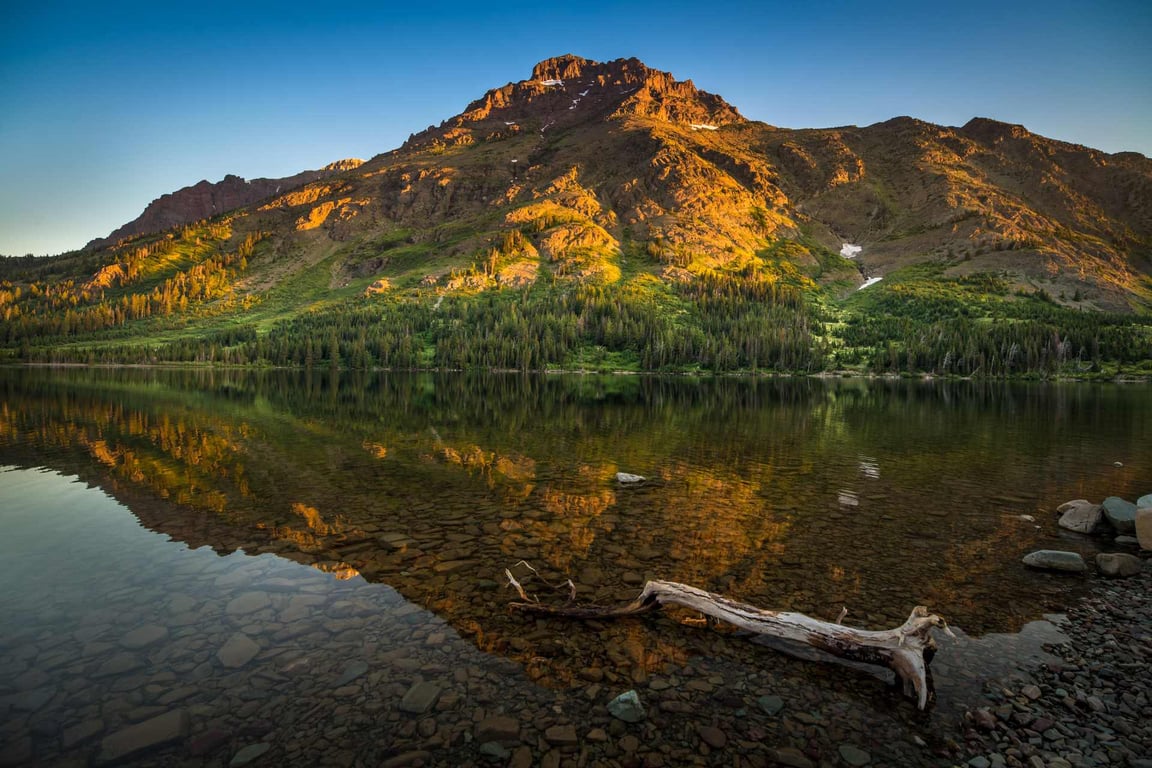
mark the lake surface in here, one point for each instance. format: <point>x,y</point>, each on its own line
<point>314,563</point>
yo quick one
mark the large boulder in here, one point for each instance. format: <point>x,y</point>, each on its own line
<point>1055,560</point>
<point>1081,516</point>
<point>1144,527</point>
<point>1121,513</point>
<point>1118,565</point>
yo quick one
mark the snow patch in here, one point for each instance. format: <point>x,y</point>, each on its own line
<point>508,123</point>
<point>552,83</point>
<point>584,93</point>
<point>849,251</point>
<point>703,127</point>
<point>870,281</point>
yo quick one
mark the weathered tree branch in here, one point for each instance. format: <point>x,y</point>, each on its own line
<point>902,649</point>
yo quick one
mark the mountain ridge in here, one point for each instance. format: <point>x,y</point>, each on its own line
<point>206,199</point>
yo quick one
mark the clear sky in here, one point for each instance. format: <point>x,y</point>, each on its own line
<point>105,106</point>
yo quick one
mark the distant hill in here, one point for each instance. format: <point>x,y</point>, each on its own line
<point>607,214</point>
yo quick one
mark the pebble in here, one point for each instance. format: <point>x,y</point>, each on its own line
<point>562,735</point>
<point>853,755</point>
<point>772,705</point>
<point>712,736</point>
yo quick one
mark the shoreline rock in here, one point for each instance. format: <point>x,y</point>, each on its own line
<point>1120,513</point>
<point>1090,709</point>
<point>1055,560</point>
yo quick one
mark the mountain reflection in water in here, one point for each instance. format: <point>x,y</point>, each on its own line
<point>802,495</point>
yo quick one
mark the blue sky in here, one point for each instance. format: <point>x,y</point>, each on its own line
<point>106,106</point>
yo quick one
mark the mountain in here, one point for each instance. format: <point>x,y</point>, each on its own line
<point>607,214</point>
<point>204,200</point>
<point>628,156</point>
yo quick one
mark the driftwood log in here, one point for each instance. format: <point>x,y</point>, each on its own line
<point>906,649</point>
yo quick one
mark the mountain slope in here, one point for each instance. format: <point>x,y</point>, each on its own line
<point>205,199</point>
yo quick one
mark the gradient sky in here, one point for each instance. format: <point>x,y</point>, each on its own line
<point>106,106</point>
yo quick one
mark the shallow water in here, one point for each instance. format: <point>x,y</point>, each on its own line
<point>283,558</point>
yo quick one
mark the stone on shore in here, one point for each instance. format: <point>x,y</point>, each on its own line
<point>144,737</point>
<point>627,707</point>
<point>1121,513</point>
<point>791,757</point>
<point>1118,565</point>
<point>1081,516</point>
<point>1144,527</point>
<point>1055,560</point>
<point>562,736</point>
<point>772,705</point>
<point>625,477</point>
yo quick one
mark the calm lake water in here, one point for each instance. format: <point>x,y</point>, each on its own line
<point>311,567</point>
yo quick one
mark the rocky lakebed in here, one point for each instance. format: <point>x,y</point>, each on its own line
<point>189,658</point>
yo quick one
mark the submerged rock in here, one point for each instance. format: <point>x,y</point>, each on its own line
<point>1121,513</point>
<point>1081,516</point>
<point>624,477</point>
<point>1118,565</point>
<point>138,739</point>
<point>1144,502</point>
<point>501,729</point>
<point>627,707</point>
<point>248,754</point>
<point>237,651</point>
<point>1055,560</point>
<point>420,698</point>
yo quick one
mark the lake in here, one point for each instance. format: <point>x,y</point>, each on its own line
<point>308,568</point>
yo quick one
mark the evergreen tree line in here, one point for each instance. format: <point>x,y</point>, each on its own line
<point>742,321</point>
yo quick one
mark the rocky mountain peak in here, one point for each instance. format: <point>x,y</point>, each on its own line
<point>566,67</point>
<point>566,90</point>
<point>988,130</point>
